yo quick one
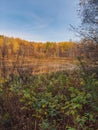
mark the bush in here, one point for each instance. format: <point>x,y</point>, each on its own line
<point>55,101</point>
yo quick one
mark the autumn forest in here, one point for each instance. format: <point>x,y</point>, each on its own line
<point>50,85</point>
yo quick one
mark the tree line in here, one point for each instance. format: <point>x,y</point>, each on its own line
<point>11,47</point>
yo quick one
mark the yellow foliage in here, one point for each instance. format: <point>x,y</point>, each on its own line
<point>1,41</point>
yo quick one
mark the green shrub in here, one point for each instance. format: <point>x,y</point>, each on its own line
<point>55,101</point>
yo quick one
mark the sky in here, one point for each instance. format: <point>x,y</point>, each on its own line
<point>39,20</point>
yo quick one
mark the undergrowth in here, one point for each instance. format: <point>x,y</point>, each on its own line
<point>55,101</point>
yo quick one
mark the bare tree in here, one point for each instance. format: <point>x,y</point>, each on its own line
<point>89,19</point>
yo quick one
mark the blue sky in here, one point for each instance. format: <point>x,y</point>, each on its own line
<point>39,20</point>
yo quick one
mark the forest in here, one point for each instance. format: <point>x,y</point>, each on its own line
<point>51,85</point>
<point>14,46</point>
<point>63,99</point>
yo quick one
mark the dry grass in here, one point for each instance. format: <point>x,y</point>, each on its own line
<point>38,66</point>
